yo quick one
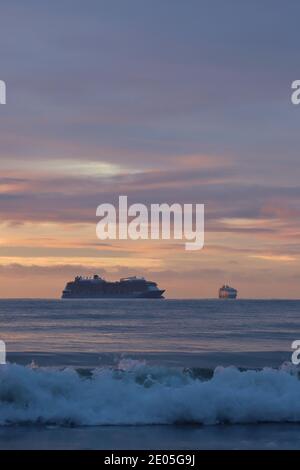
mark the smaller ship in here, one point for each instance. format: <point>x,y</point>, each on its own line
<point>227,292</point>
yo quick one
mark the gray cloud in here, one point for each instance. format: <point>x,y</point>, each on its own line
<point>137,80</point>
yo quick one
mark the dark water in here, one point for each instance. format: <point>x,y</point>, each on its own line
<point>183,374</point>
<point>179,330</point>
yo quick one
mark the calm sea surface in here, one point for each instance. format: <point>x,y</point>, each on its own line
<point>166,329</point>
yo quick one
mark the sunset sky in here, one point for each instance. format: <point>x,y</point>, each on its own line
<point>164,101</point>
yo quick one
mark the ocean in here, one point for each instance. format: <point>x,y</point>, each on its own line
<point>149,374</point>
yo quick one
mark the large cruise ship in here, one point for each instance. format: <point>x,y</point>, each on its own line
<point>227,292</point>
<point>97,288</point>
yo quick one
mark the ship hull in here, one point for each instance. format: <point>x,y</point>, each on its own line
<point>227,296</point>
<point>134,295</point>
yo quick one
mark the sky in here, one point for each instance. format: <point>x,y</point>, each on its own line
<point>164,101</point>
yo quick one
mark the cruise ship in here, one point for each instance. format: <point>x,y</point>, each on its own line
<point>97,288</point>
<point>227,292</point>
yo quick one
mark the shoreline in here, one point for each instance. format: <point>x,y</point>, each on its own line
<point>209,360</point>
<point>165,437</point>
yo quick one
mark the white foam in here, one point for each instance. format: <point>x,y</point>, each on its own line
<point>147,395</point>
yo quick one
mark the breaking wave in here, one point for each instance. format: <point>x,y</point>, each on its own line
<point>138,394</point>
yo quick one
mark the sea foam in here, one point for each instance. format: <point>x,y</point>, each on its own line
<point>138,394</point>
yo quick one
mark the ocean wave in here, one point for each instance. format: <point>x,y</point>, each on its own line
<point>138,394</point>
